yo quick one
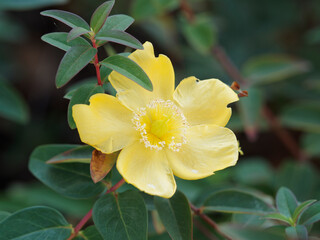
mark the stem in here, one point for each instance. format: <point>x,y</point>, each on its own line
<point>96,62</point>
<point>88,216</point>
<point>208,220</point>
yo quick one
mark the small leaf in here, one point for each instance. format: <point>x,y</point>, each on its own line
<point>175,215</point>
<point>68,18</point>
<point>28,5</point>
<point>123,217</point>
<point>59,40</point>
<point>310,215</point>
<point>82,96</point>
<point>91,233</point>
<point>286,202</point>
<point>129,69</point>
<point>298,232</point>
<point>74,87</point>
<point>302,207</point>
<point>35,223</point>
<point>3,215</point>
<point>119,37</point>
<point>75,59</point>
<point>69,179</point>
<point>200,34</point>
<point>100,15</point>
<point>12,105</point>
<point>304,117</point>
<point>118,22</point>
<point>235,201</point>
<point>101,164</point>
<point>80,154</point>
<point>271,68</point>
<point>76,32</point>
<point>279,217</point>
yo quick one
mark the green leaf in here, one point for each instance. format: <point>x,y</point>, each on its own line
<point>59,40</point>
<point>310,215</point>
<point>100,15</point>
<point>118,22</point>
<point>250,110</point>
<point>247,220</point>
<point>271,68</point>
<point>3,215</point>
<point>286,202</point>
<point>236,232</point>
<point>119,37</point>
<point>104,73</point>
<point>298,232</point>
<point>80,154</point>
<point>12,105</point>
<point>69,179</point>
<point>200,34</point>
<point>74,87</point>
<point>235,201</point>
<point>122,217</point>
<point>29,4</point>
<point>35,223</point>
<point>175,215</point>
<point>91,233</point>
<point>76,32</point>
<point>279,217</point>
<point>129,69</point>
<point>82,96</point>
<point>68,18</point>
<point>302,207</point>
<point>311,143</point>
<point>75,59</point>
<point>253,171</point>
<point>304,117</point>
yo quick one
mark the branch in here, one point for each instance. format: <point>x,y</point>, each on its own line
<point>96,62</point>
<point>208,220</point>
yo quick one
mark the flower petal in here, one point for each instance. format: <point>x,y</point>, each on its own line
<point>105,124</point>
<point>147,169</point>
<point>159,70</point>
<point>205,102</point>
<point>209,148</point>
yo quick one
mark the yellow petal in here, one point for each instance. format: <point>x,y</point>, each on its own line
<point>105,124</point>
<point>159,70</point>
<point>147,169</point>
<point>209,148</point>
<point>205,102</point>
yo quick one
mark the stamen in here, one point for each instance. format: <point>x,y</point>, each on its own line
<point>161,124</point>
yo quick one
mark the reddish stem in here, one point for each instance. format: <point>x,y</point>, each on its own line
<point>208,220</point>
<point>96,62</point>
<point>88,216</point>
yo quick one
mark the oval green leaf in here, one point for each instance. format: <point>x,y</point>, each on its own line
<point>129,69</point>
<point>75,59</point>
<point>80,154</point>
<point>82,96</point>
<point>12,105</point>
<point>298,232</point>
<point>35,223</point>
<point>117,22</point>
<point>302,207</point>
<point>119,37</point>
<point>76,32</point>
<point>28,5</point>
<point>310,215</point>
<point>175,215</point>
<point>286,202</point>
<point>68,18</point>
<point>100,15</point>
<point>3,215</point>
<point>59,40</point>
<point>69,179</point>
<point>123,217</point>
<point>235,201</point>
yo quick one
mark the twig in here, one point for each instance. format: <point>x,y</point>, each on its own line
<point>208,220</point>
<point>88,216</point>
<point>96,62</point>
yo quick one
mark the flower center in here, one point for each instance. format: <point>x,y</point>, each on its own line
<point>161,124</point>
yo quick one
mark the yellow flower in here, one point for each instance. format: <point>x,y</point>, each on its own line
<point>162,133</point>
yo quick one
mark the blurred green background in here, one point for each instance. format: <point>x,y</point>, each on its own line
<point>275,45</point>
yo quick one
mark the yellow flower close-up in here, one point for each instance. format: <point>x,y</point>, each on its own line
<point>161,133</point>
